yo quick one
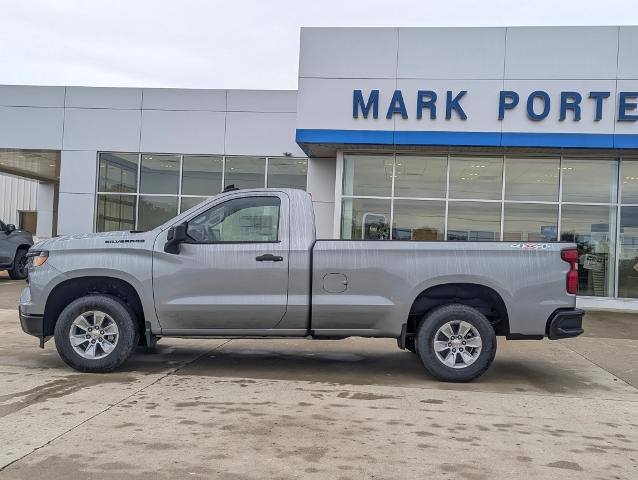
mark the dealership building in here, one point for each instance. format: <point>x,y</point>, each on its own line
<point>525,134</point>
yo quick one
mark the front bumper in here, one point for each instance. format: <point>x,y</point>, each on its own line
<point>565,323</point>
<point>33,325</point>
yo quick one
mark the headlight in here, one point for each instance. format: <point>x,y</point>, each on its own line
<point>38,258</point>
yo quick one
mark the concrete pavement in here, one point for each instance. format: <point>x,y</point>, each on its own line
<point>356,408</point>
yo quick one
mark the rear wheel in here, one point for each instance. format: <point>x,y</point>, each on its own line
<point>19,270</point>
<point>96,333</point>
<point>456,343</point>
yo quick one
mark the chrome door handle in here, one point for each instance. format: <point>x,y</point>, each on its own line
<point>269,257</point>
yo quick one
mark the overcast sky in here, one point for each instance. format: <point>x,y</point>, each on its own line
<point>230,43</point>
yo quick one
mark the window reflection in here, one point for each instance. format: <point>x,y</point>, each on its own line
<point>118,172</point>
<point>630,181</point>
<point>115,212</point>
<point>365,219</point>
<point>189,202</point>
<point>287,173</point>
<point>420,176</point>
<point>202,175</point>
<point>153,211</point>
<point>159,174</point>
<point>530,222</point>
<point>474,221</point>
<point>476,178</point>
<point>418,220</point>
<point>628,255</point>
<point>592,228</point>
<point>367,175</point>
<point>245,172</point>
<point>532,179</point>
<point>589,180</point>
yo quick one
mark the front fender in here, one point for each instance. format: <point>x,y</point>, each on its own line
<point>141,282</point>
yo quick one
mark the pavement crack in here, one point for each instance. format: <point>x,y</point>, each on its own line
<point>109,407</point>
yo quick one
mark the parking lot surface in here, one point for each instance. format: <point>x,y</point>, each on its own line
<point>349,409</point>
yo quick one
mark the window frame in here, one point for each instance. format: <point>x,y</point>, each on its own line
<point>191,241</point>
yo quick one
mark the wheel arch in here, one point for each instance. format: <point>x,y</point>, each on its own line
<point>73,288</point>
<point>484,298</point>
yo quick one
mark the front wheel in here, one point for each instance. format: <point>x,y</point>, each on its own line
<point>19,270</point>
<point>456,343</point>
<point>96,333</point>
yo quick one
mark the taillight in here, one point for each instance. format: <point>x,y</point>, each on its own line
<point>570,255</point>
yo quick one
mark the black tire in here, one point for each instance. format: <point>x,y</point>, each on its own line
<point>410,344</point>
<point>19,270</point>
<point>429,327</point>
<point>121,314</point>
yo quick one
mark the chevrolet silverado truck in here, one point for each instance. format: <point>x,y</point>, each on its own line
<point>246,264</point>
<point>14,245</point>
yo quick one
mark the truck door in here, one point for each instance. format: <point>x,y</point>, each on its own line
<point>231,273</point>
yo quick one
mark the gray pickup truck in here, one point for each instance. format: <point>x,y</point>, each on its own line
<point>246,264</point>
<point>14,245</point>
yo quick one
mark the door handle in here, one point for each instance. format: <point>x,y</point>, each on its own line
<point>269,257</point>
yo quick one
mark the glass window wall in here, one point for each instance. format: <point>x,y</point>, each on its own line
<point>474,221</point>
<point>476,178</point>
<point>155,210</point>
<point>116,212</point>
<point>628,253</point>
<point>118,172</point>
<point>590,180</point>
<point>418,220</point>
<point>420,176</point>
<point>142,191</point>
<point>159,174</point>
<point>365,219</point>
<point>202,175</point>
<point>245,172</point>
<point>592,228</point>
<point>287,173</point>
<point>530,222</point>
<point>513,198</point>
<point>532,179</point>
<point>368,175</point>
<point>189,202</point>
<point>629,185</point>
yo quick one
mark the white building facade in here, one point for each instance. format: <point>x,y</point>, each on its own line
<point>525,134</point>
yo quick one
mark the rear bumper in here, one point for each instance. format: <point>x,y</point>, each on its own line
<point>566,323</point>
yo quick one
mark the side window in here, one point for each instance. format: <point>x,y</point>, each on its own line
<point>250,219</point>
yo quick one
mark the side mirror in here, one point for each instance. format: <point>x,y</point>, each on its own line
<point>9,228</point>
<point>176,236</point>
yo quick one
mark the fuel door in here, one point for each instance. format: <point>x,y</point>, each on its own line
<point>335,282</point>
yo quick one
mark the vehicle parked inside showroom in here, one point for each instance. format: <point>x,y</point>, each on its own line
<point>14,245</point>
<point>246,264</point>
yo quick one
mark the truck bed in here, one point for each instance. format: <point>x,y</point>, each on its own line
<point>380,281</point>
